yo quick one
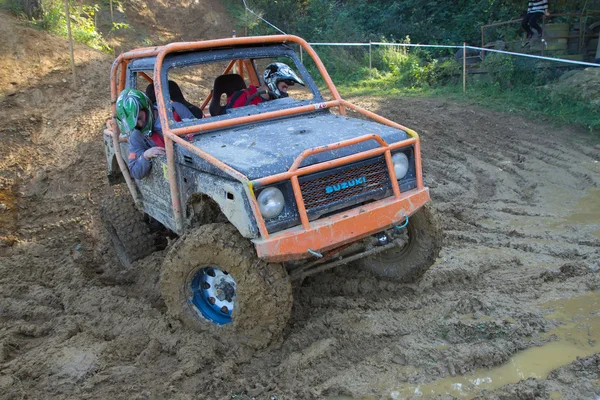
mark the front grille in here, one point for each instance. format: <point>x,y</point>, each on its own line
<point>345,184</point>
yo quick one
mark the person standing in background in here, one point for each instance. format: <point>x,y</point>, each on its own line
<point>535,9</point>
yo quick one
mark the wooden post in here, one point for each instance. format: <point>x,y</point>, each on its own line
<point>112,19</point>
<point>464,68</point>
<point>598,50</point>
<point>482,42</point>
<point>68,20</point>
<point>370,56</point>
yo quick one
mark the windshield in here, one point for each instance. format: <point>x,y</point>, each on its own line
<point>190,79</point>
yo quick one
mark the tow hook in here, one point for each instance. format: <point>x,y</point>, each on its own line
<point>404,225</point>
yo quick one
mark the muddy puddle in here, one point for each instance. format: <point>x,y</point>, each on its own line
<point>587,212</point>
<point>563,211</point>
<point>576,336</point>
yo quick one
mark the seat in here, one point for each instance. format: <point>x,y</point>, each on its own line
<point>176,95</point>
<point>228,84</point>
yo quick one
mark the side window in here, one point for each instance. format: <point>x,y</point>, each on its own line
<point>195,85</point>
<point>142,82</point>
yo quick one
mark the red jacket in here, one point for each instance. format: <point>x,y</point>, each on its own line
<point>239,98</point>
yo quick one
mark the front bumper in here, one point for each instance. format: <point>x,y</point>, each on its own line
<point>346,227</point>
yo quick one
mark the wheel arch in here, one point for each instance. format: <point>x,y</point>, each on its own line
<point>203,208</point>
<point>208,198</point>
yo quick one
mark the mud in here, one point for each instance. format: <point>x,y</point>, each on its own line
<point>518,204</point>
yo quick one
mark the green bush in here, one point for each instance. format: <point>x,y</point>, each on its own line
<point>83,28</point>
<point>448,72</point>
<point>508,71</point>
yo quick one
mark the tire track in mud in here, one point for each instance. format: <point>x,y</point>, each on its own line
<point>72,325</point>
<point>469,184</point>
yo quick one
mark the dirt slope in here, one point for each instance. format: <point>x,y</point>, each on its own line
<point>518,202</point>
<point>152,22</point>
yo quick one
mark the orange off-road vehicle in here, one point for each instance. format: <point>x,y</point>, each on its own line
<point>262,195</point>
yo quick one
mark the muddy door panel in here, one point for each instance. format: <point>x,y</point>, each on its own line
<point>113,171</point>
<point>156,193</point>
<point>154,190</point>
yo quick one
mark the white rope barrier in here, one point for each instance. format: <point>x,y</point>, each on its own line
<point>417,45</point>
<point>370,44</point>
<point>533,56</point>
<point>264,20</point>
<point>340,44</point>
<point>562,60</point>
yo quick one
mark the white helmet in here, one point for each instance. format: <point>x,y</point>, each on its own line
<point>277,72</point>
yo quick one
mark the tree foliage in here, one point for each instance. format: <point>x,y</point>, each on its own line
<point>425,21</point>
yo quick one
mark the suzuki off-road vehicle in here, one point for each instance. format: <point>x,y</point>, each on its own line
<point>261,195</point>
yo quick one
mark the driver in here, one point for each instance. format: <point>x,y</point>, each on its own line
<point>278,77</point>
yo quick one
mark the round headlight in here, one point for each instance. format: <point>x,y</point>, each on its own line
<point>400,164</point>
<point>270,202</point>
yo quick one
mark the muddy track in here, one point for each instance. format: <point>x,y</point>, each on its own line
<point>518,204</point>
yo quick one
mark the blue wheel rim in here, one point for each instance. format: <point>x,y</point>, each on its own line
<point>212,295</point>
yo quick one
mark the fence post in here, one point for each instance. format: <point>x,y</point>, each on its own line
<point>68,21</point>
<point>482,42</point>
<point>542,41</point>
<point>464,68</point>
<point>370,57</point>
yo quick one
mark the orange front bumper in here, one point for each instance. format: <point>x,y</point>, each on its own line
<point>331,232</point>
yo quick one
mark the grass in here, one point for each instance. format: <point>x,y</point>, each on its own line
<point>529,101</point>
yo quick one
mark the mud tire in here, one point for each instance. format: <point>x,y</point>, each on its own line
<point>409,263</point>
<point>263,301</point>
<point>129,233</point>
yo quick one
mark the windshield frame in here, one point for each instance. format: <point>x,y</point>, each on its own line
<point>188,59</point>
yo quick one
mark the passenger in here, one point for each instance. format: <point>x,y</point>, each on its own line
<point>177,96</point>
<point>182,110</point>
<point>278,77</point>
<point>136,120</point>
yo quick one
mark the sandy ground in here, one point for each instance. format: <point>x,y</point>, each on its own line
<point>516,283</point>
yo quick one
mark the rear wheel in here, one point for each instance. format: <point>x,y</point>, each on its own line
<point>213,282</point>
<point>129,233</point>
<point>409,262</point>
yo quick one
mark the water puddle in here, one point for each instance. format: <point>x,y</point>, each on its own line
<point>579,336</point>
<point>587,211</point>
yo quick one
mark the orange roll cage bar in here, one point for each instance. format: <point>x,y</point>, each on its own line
<point>173,135</point>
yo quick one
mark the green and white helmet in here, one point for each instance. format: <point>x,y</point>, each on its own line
<point>277,72</point>
<point>129,104</point>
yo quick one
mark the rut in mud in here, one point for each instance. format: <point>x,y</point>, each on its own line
<point>518,204</point>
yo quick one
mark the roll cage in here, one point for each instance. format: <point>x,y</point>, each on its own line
<point>163,57</point>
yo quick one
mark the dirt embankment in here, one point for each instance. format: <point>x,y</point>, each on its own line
<point>518,202</point>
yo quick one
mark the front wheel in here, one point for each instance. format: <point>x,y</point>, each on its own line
<point>409,262</point>
<point>214,283</point>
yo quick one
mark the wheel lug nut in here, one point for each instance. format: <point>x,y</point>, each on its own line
<point>224,310</point>
<point>210,272</point>
<point>211,300</point>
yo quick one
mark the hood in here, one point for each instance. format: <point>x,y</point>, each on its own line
<point>270,148</point>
